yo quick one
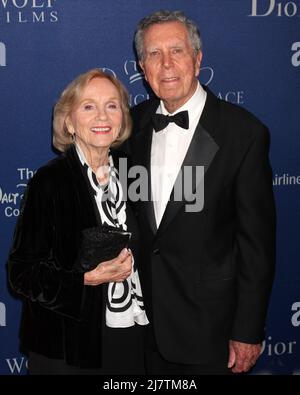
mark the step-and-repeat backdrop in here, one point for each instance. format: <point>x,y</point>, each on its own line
<point>251,58</point>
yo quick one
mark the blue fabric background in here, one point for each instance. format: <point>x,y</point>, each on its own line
<point>251,57</point>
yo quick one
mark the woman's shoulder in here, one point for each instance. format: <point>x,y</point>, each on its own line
<point>121,158</point>
<point>51,172</point>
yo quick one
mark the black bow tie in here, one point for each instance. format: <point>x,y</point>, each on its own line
<point>161,121</point>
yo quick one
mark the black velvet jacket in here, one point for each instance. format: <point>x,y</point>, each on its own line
<point>61,317</point>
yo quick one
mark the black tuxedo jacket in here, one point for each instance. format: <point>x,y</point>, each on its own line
<point>208,275</point>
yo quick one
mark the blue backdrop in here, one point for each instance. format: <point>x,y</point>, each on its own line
<point>251,57</point>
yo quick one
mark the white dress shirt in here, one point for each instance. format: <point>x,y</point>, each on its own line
<point>169,147</point>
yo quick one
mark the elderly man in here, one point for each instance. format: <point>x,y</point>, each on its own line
<point>208,268</point>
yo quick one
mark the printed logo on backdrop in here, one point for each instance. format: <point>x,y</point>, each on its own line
<point>232,96</point>
<point>2,314</point>
<point>295,59</point>
<point>2,54</point>
<point>295,320</point>
<point>17,365</point>
<point>285,179</point>
<point>276,8</point>
<point>132,71</point>
<point>28,11</point>
<point>277,352</point>
<point>133,74</point>
<point>271,348</point>
<point>10,200</point>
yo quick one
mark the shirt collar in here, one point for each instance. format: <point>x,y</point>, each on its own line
<point>81,155</point>
<point>192,105</point>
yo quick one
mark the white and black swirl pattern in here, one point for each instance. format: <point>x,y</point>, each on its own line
<point>125,305</point>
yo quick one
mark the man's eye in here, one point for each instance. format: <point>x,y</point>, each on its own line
<point>154,53</point>
<point>177,50</point>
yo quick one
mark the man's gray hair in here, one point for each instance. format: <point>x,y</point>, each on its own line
<point>162,17</point>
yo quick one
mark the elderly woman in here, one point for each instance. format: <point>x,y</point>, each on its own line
<point>76,320</point>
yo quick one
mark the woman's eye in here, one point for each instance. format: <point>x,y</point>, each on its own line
<point>88,107</point>
<point>113,106</point>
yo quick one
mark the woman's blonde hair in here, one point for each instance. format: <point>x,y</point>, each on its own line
<point>70,97</point>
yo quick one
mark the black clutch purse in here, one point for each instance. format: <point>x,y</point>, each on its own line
<point>101,244</point>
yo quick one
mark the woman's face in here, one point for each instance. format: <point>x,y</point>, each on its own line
<point>97,118</point>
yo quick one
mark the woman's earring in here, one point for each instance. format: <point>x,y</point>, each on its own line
<point>73,137</point>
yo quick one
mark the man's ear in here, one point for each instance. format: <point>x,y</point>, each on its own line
<point>198,63</point>
<point>143,68</point>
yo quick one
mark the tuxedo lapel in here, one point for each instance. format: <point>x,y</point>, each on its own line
<point>201,152</point>
<point>149,205</point>
<point>142,151</point>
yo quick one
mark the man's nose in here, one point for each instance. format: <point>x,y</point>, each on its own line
<point>167,60</point>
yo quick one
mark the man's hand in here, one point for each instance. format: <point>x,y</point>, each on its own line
<point>242,356</point>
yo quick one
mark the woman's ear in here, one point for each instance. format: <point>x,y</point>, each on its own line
<point>69,125</point>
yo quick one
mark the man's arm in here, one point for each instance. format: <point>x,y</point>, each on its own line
<point>255,237</point>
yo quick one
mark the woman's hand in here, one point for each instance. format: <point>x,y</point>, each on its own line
<point>115,270</point>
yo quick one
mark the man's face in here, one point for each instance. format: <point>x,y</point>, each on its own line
<point>170,64</point>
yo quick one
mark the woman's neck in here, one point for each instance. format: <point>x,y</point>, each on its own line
<point>95,157</point>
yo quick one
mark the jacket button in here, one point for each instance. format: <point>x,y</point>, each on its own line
<point>156,251</point>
